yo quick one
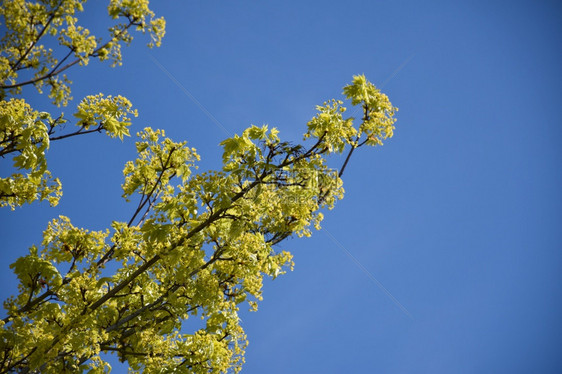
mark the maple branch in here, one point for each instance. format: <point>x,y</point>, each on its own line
<point>41,33</point>
<point>56,70</point>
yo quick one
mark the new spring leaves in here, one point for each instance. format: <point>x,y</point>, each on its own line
<point>196,244</point>
<point>26,135</point>
<point>25,60</point>
<point>41,41</point>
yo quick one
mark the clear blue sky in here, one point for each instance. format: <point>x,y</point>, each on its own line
<point>458,216</point>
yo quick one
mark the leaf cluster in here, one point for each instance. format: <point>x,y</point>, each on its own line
<point>42,40</point>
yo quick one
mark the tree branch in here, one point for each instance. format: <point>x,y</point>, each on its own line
<point>346,161</point>
<point>32,45</point>
<point>57,69</point>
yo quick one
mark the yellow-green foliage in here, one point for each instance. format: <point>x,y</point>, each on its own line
<point>25,134</point>
<point>29,23</point>
<point>196,245</point>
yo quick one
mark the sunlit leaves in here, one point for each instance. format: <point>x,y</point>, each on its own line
<point>378,112</point>
<point>157,163</point>
<point>142,16</point>
<point>63,242</point>
<point>41,40</point>
<point>24,59</point>
<point>26,135</point>
<point>24,132</point>
<point>163,290</point>
<point>36,273</point>
<point>330,125</point>
<point>110,113</point>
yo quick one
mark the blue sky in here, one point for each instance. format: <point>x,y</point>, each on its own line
<point>458,216</point>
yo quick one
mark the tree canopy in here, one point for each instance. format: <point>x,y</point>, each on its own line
<point>196,244</point>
